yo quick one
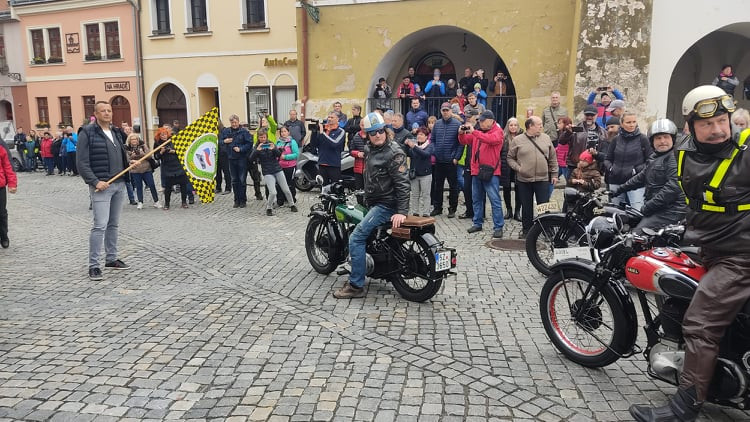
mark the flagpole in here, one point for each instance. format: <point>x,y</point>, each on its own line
<point>145,157</point>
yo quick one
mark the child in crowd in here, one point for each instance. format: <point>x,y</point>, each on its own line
<point>268,155</point>
<point>420,172</point>
<point>586,176</point>
<point>288,160</point>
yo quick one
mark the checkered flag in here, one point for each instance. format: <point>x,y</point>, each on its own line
<point>197,144</point>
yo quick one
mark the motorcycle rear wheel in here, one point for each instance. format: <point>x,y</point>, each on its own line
<point>593,338</point>
<point>539,243</point>
<point>318,246</point>
<point>416,282</point>
<point>303,183</point>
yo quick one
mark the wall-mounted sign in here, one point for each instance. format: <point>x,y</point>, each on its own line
<point>117,86</point>
<point>71,43</point>
<point>286,61</point>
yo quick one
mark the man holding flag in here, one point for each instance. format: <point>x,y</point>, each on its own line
<point>100,157</point>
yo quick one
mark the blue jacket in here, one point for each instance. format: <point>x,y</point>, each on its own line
<point>330,147</point>
<point>445,140</point>
<point>416,116</point>
<point>70,143</point>
<point>428,89</point>
<point>240,138</point>
<point>421,159</point>
<point>481,97</point>
<point>602,113</point>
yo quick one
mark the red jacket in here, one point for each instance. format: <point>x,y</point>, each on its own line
<point>489,153</point>
<point>7,175</point>
<point>46,148</point>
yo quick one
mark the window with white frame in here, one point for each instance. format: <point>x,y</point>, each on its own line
<point>46,45</point>
<point>197,16</point>
<point>102,40</point>
<point>255,14</point>
<point>160,17</point>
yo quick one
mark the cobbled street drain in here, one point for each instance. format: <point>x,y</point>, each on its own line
<point>507,244</point>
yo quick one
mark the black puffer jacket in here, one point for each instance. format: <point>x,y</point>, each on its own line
<point>387,177</point>
<point>171,166</point>
<point>94,150</point>
<point>663,194</point>
<point>627,156</point>
<point>268,159</point>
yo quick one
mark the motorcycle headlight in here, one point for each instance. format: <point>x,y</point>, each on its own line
<point>601,231</point>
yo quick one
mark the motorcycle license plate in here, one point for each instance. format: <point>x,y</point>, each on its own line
<point>576,252</point>
<point>547,207</point>
<point>443,261</point>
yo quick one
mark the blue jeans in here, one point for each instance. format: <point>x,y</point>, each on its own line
<point>460,177</point>
<point>49,163</point>
<point>633,197</point>
<point>139,179</point>
<point>238,170</point>
<point>492,188</point>
<point>376,216</point>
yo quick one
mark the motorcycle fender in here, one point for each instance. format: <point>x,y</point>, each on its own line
<point>431,240</point>
<point>310,169</point>
<point>335,233</point>
<point>620,292</point>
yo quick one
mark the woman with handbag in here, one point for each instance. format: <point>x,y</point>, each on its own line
<point>534,159</point>
<point>144,171</point>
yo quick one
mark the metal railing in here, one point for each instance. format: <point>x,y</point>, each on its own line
<point>504,107</point>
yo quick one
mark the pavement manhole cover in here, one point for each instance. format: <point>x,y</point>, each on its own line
<point>507,244</point>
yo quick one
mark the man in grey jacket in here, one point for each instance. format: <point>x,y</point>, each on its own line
<point>552,113</point>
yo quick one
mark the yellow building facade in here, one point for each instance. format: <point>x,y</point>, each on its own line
<point>239,56</point>
<point>357,42</point>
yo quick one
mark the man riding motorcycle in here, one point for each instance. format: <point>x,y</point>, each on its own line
<point>712,169</point>
<point>664,201</point>
<point>387,191</point>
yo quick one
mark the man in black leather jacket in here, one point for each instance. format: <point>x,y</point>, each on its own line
<point>387,190</point>
<point>713,168</point>
<point>664,202</point>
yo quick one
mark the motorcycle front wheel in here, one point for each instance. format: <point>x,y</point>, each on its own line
<point>303,183</point>
<point>587,330</point>
<point>318,244</point>
<point>416,281</point>
<point>540,242</point>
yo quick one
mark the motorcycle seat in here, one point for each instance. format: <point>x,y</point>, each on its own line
<point>414,221</point>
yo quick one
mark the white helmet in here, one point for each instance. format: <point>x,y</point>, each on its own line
<point>373,121</point>
<point>706,101</point>
<point>662,126</point>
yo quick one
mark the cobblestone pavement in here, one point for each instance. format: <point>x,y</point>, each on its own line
<point>222,318</point>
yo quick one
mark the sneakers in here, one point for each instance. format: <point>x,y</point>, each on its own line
<point>157,205</point>
<point>95,274</point>
<point>140,206</point>
<point>349,292</point>
<point>436,212</point>
<point>269,212</point>
<point>465,215</point>
<point>5,243</point>
<point>498,234</point>
<point>227,192</point>
<point>243,204</point>
<point>258,197</point>
<point>191,201</point>
<point>184,205</point>
<point>133,202</point>
<point>116,265</point>
<point>474,229</point>
<point>236,205</point>
<point>451,212</point>
<point>294,208</point>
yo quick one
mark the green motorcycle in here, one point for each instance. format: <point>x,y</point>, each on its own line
<point>411,257</point>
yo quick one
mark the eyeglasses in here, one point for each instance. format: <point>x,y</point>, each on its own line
<point>709,108</point>
<point>377,132</point>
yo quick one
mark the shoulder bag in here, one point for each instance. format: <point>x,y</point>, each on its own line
<point>485,171</point>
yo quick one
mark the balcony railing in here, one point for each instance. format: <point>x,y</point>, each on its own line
<point>504,107</point>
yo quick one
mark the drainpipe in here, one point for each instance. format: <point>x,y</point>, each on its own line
<point>305,62</point>
<point>139,67</point>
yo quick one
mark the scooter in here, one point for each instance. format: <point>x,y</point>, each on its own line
<point>307,168</point>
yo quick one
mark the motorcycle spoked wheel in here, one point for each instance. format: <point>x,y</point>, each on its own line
<point>539,243</point>
<point>415,282</point>
<point>592,338</point>
<point>318,246</point>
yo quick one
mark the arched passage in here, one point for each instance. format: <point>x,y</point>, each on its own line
<point>170,105</point>
<point>120,110</point>
<point>451,49</point>
<point>701,63</point>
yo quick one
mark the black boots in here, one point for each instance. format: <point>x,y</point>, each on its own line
<point>683,407</point>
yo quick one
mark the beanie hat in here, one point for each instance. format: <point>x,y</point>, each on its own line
<point>586,156</point>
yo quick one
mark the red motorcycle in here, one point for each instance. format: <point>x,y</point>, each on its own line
<point>589,315</point>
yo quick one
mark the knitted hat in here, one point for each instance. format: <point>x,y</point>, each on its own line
<point>586,156</point>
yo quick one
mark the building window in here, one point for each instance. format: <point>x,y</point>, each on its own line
<point>89,101</point>
<point>197,16</point>
<point>43,111</point>
<point>55,45</point>
<point>66,112</point>
<point>109,44</point>
<point>3,61</point>
<point>161,22</point>
<point>258,102</point>
<point>255,14</point>
<point>37,46</point>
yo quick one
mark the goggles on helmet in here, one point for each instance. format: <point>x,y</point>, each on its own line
<point>710,107</point>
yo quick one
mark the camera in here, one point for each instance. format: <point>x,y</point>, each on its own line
<point>577,129</point>
<point>591,144</point>
<point>465,127</point>
<point>314,124</point>
<point>265,145</point>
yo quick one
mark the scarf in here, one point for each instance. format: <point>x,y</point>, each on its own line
<point>630,135</point>
<point>424,144</point>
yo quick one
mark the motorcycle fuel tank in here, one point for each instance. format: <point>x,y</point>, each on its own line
<point>351,214</point>
<point>657,270</point>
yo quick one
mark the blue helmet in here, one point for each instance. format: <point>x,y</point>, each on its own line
<point>373,122</point>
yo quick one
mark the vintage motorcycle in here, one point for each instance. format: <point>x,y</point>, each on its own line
<point>305,175</point>
<point>411,257</point>
<point>561,235</point>
<point>589,315</point>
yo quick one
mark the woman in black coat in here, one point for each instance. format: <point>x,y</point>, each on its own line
<point>171,167</point>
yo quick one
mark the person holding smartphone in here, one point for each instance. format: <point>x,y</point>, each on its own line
<point>581,137</point>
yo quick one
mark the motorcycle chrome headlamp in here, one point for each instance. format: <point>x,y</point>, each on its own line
<point>601,231</point>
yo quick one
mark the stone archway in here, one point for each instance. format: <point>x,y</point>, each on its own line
<point>171,105</point>
<point>457,49</point>
<point>701,63</point>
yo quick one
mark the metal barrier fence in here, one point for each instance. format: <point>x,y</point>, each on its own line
<point>504,107</point>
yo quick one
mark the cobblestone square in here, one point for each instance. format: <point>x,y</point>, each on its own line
<point>222,318</point>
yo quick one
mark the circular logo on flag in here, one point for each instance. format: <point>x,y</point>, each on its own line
<point>200,159</point>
